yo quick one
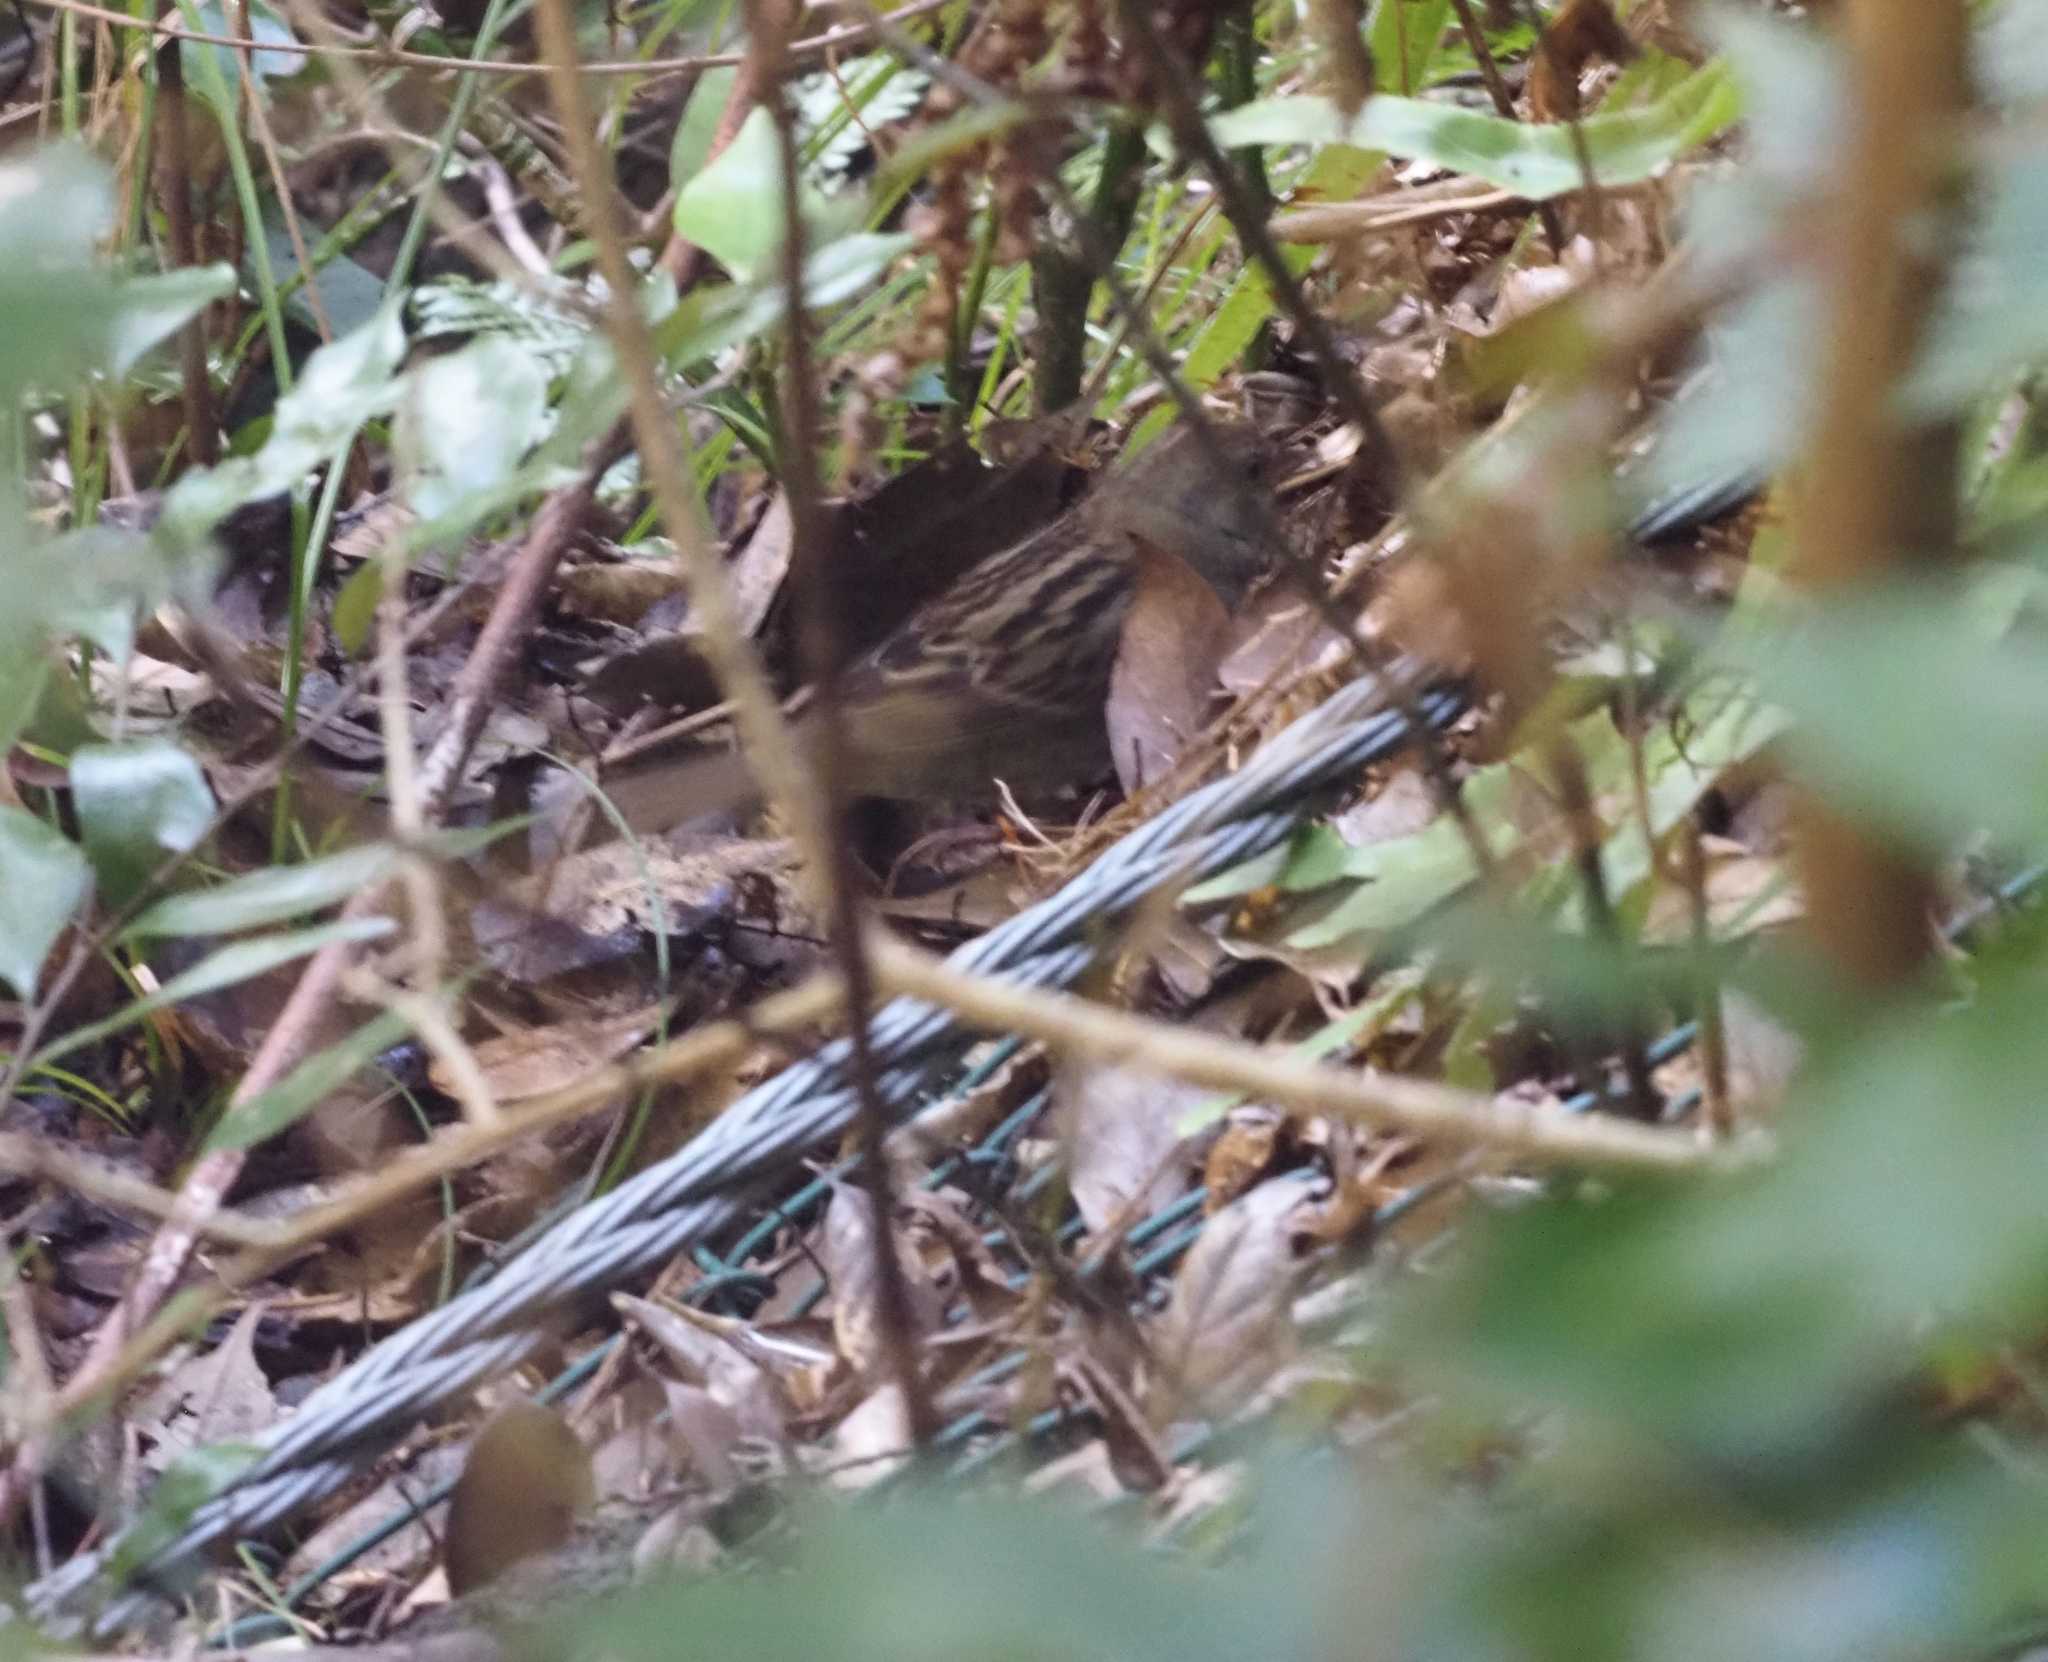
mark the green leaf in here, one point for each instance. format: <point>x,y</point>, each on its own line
<point>1406,36</point>
<point>92,582</point>
<point>341,386</point>
<point>66,312</point>
<point>137,803</point>
<point>1748,1318</point>
<point>308,1085</point>
<point>277,893</point>
<point>271,895</point>
<point>57,297</point>
<point>191,1480</point>
<point>264,28</point>
<point>691,147</point>
<point>233,964</point>
<point>355,607</point>
<point>1911,713</point>
<point>732,209</point>
<point>149,310</point>
<point>44,880</point>
<point>465,421</point>
<point>929,1578</point>
<point>1534,161</point>
<point>708,320</point>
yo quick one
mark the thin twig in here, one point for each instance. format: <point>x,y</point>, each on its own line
<point>1099,1034</point>
<point>37,1159</point>
<point>823,651</point>
<point>381,57</point>
<point>1504,105</point>
<point>757,715</point>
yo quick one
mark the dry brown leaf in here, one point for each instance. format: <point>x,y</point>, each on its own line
<point>1173,642</point>
<point>1582,31</point>
<point>1241,1155</point>
<point>1746,893</point>
<point>525,1482</point>
<point>846,1246</point>
<point>1277,634</point>
<point>1122,1128</point>
<point>615,591</point>
<point>538,1059</point>
<point>1227,1325</point>
<point>215,1396</point>
<point>870,1443</point>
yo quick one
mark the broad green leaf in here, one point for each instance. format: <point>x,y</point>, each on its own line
<point>1910,712</point>
<point>732,208</point>
<point>91,582</point>
<point>57,297</point>
<point>1535,161</point>
<point>24,675</point>
<point>2000,317</point>
<point>691,146</point>
<point>308,1085</point>
<point>341,386</point>
<point>1746,1318</point>
<point>137,803</point>
<point>264,29</point>
<point>464,422</point>
<point>233,964</point>
<point>44,880</point>
<point>708,320</point>
<point>1406,36</point>
<point>937,1579</point>
<point>67,313</point>
<point>148,310</point>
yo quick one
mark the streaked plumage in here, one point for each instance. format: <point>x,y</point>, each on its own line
<point>1005,674</point>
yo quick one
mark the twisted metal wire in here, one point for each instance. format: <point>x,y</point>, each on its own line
<point>714,1179</point>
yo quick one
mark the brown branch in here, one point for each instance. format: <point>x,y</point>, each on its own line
<point>824,655</point>
<point>1879,495</point>
<point>1075,1026</point>
<point>174,184</point>
<point>812,46</point>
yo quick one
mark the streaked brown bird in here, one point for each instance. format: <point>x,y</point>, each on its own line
<point>1005,674</point>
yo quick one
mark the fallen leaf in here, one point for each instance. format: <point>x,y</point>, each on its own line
<point>1227,1327</point>
<point>1172,645</point>
<point>527,1479</point>
<point>1122,1128</point>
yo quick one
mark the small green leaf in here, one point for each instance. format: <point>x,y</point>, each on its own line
<point>149,310</point>
<point>190,1481</point>
<point>278,893</point>
<point>355,607</point>
<point>342,386</point>
<point>44,880</point>
<point>233,964</point>
<point>708,320</point>
<point>1911,712</point>
<point>137,803</point>
<point>271,895</point>
<point>264,28</point>
<point>691,147</point>
<point>55,294</point>
<point>1535,161</point>
<point>308,1085</point>
<point>1406,36</point>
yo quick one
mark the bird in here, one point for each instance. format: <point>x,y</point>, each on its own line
<point>1006,674</point>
